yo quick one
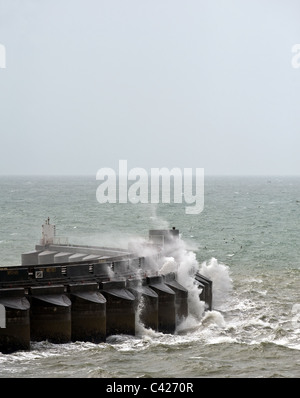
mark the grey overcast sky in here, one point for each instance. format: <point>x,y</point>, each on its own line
<point>159,83</point>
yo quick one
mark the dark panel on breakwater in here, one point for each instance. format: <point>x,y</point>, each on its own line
<point>16,334</point>
<point>120,308</point>
<point>146,302</point>
<point>50,314</point>
<point>181,296</point>
<point>88,313</point>
<point>206,294</point>
<point>166,304</point>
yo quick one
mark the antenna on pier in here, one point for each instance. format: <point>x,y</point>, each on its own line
<point>48,233</point>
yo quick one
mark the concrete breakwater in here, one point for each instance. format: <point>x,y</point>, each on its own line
<point>63,293</point>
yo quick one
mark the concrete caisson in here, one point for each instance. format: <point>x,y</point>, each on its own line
<point>181,296</point>
<point>15,333</point>
<point>50,314</point>
<point>206,294</point>
<point>31,258</point>
<point>88,312</point>
<point>166,304</point>
<point>120,308</point>
<point>146,302</point>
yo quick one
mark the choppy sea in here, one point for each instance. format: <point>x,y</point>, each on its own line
<point>246,240</point>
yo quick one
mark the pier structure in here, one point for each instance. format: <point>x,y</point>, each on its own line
<point>63,293</point>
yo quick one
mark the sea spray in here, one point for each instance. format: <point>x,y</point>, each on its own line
<point>176,257</point>
<point>213,318</point>
<point>220,276</point>
<point>173,257</point>
<point>139,326</point>
<point>185,264</point>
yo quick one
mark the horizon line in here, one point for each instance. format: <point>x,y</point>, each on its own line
<point>94,175</point>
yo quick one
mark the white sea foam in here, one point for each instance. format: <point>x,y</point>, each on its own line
<point>222,282</point>
<point>213,318</point>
